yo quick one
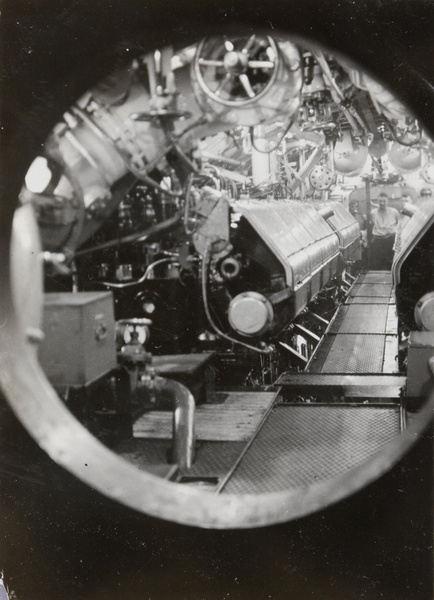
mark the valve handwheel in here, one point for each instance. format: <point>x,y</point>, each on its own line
<point>236,71</point>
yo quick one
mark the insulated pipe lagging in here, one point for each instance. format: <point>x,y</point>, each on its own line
<point>183,405</point>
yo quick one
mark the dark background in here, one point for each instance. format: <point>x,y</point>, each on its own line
<point>61,540</point>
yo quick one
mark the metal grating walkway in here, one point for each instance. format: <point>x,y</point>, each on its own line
<point>339,385</point>
<point>301,445</point>
<point>363,336</point>
<point>250,445</point>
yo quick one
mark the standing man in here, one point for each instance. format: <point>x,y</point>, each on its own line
<point>385,221</point>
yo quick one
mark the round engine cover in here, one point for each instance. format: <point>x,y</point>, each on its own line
<point>404,158</point>
<point>424,312</point>
<point>250,314</point>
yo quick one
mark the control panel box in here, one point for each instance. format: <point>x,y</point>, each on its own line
<point>79,343</point>
<point>420,350</point>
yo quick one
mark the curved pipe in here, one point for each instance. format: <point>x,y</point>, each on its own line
<point>183,405</point>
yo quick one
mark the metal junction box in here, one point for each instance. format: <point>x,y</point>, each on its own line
<point>79,344</point>
<point>420,350</point>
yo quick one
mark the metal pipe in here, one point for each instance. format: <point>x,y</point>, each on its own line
<point>313,159</point>
<point>368,219</point>
<point>142,236</point>
<point>402,416</point>
<point>183,405</point>
<point>143,278</point>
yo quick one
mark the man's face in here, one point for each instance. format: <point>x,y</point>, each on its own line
<point>382,202</point>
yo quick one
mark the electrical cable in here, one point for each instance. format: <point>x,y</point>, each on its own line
<point>145,276</point>
<point>282,137</point>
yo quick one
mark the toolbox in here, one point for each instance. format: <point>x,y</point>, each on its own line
<point>79,337</point>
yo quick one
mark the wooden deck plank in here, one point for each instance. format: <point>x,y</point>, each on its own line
<point>235,420</point>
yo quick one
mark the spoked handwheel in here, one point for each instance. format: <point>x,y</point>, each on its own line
<point>236,71</point>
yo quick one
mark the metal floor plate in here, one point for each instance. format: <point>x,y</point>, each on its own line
<point>382,290</point>
<point>355,353</point>
<point>364,318</point>
<point>374,300</point>
<point>326,385</point>
<point>215,459</point>
<point>375,277</point>
<point>301,445</point>
<point>147,455</point>
<point>363,336</point>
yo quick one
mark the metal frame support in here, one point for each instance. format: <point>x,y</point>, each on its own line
<point>307,333</point>
<point>320,320</point>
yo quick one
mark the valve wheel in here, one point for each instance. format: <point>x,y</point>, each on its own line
<point>321,177</point>
<point>237,71</point>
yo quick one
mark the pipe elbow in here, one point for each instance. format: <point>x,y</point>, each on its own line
<point>183,408</point>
